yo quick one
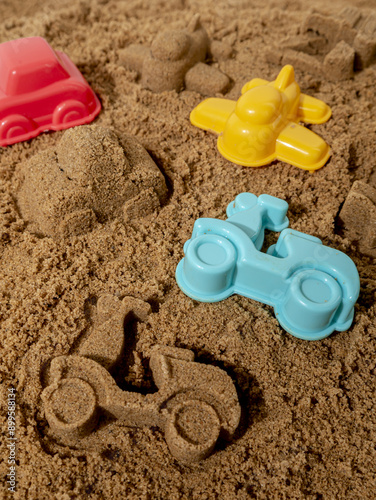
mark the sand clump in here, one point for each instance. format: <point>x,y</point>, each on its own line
<point>194,404</point>
<point>91,176</point>
<point>176,60</point>
<point>358,217</point>
<point>331,46</point>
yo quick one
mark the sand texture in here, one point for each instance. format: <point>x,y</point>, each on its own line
<point>104,211</point>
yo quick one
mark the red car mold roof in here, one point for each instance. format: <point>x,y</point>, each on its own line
<point>20,60</point>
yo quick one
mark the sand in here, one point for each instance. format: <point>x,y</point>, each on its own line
<point>308,424</point>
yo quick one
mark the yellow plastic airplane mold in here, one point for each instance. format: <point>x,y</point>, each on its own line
<point>262,125</point>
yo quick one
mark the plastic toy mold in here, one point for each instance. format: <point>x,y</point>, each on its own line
<point>263,124</point>
<point>40,89</point>
<point>312,287</point>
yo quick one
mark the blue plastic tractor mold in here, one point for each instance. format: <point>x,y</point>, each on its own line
<point>312,287</point>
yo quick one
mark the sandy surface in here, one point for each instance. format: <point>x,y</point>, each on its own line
<point>308,428</point>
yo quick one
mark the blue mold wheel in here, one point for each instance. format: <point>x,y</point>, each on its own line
<point>206,271</point>
<point>309,308</point>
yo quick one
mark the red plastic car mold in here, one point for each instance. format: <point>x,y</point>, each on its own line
<point>40,89</point>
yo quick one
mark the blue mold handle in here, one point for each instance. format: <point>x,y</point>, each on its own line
<point>254,214</point>
<point>312,287</point>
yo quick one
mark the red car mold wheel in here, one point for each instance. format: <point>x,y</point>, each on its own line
<point>69,113</point>
<point>13,128</point>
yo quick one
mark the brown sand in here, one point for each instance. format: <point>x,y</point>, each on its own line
<point>308,428</point>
